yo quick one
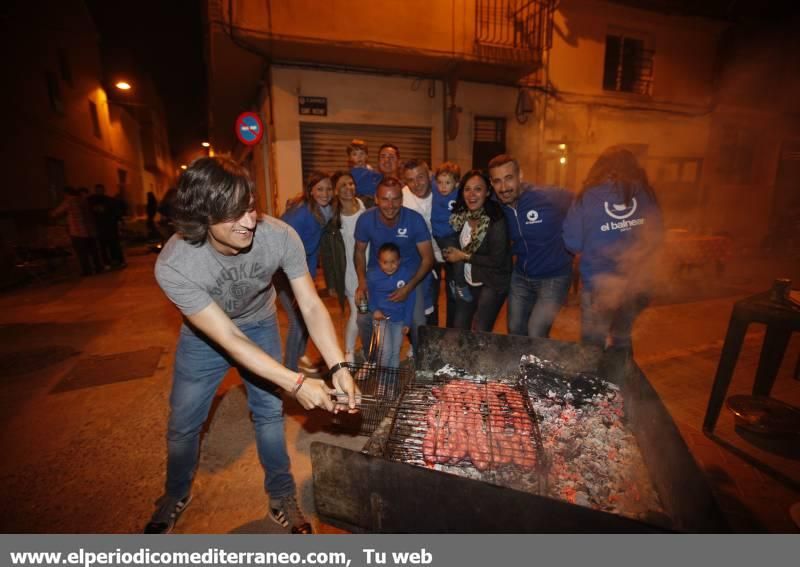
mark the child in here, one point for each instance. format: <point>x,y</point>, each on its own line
<point>365,178</point>
<point>391,319</point>
<point>444,197</point>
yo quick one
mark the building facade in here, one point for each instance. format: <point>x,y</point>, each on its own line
<point>62,126</point>
<point>552,83</point>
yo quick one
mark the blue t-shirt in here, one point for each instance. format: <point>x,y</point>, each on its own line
<point>603,229</point>
<point>308,228</point>
<point>366,180</point>
<point>534,227</point>
<point>441,208</point>
<point>409,230</point>
<point>381,285</point>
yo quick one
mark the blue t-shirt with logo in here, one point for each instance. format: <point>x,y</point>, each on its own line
<point>308,228</point>
<point>380,286</point>
<point>534,227</point>
<point>441,208</point>
<point>366,180</point>
<point>603,228</point>
<point>409,230</point>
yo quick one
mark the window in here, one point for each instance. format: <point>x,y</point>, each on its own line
<point>489,140</point>
<point>736,152</point>
<point>628,65</point>
<point>54,93</point>
<point>63,66</point>
<point>95,119</point>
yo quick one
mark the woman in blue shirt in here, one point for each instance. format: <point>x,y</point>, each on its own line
<point>615,224</point>
<point>308,214</point>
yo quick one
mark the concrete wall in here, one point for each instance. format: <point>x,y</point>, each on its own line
<point>389,101</point>
<point>446,27</point>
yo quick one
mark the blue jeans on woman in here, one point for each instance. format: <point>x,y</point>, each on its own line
<point>297,334</point>
<point>533,303</point>
<point>482,310</point>
<point>199,368</point>
<point>600,323</point>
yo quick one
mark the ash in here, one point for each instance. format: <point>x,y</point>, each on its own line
<point>594,457</point>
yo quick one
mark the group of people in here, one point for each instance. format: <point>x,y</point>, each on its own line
<point>93,227</point>
<point>384,245</point>
<point>489,236</point>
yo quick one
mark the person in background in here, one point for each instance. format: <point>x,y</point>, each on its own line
<point>107,214</point>
<point>81,230</point>
<point>389,160</point>
<point>390,221</point>
<point>616,226</point>
<point>307,214</point>
<point>445,194</point>
<point>350,209</point>
<point>483,250</point>
<point>543,267</point>
<point>218,271</point>
<point>151,208</point>
<point>418,196</point>
<point>392,319</point>
<point>365,178</point>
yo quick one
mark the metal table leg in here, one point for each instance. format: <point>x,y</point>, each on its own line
<point>727,363</point>
<point>775,343</point>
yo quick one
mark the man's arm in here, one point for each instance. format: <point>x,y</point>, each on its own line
<point>216,325</point>
<point>360,261</point>
<point>426,265</point>
<point>320,328</point>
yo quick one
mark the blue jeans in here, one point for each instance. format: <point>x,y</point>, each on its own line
<point>482,310</point>
<point>599,323</point>
<point>533,303</point>
<point>390,341</point>
<point>199,368</point>
<point>297,334</point>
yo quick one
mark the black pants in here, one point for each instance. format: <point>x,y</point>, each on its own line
<point>111,248</point>
<point>88,255</point>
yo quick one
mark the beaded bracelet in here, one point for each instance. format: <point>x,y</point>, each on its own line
<point>299,384</point>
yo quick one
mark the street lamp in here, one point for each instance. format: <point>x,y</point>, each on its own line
<point>123,85</point>
<point>206,145</point>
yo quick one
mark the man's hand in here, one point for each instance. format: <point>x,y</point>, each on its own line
<point>361,294</point>
<point>343,382</point>
<point>378,315</point>
<point>401,294</point>
<point>314,393</point>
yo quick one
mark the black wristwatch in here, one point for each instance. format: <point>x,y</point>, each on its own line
<point>337,367</point>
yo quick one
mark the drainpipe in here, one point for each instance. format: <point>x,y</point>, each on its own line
<point>445,124</point>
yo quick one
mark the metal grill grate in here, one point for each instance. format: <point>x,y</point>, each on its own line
<point>380,388</point>
<point>480,428</point>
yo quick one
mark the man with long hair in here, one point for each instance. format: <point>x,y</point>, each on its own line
<point>217,269</point>
<point>616,226</point>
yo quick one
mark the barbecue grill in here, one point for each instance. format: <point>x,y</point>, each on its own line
<point>392,485</point>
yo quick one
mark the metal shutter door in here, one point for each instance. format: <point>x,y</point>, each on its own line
<point>324,146</point>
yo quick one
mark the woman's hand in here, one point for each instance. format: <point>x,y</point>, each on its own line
<point>454,255</point>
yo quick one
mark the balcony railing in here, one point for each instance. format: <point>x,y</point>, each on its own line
<point>513,31</point>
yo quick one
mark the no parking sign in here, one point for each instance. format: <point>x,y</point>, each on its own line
<point>249,128</point>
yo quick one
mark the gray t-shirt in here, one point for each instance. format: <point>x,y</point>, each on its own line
<point>194,276</point>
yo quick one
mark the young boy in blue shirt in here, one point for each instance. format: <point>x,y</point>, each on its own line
<point>365,178</point>
<point>445,194</point>
<point>392,319</point>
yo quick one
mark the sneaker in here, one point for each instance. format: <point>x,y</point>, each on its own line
<point>285,512</point>
<point>167,513</point>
